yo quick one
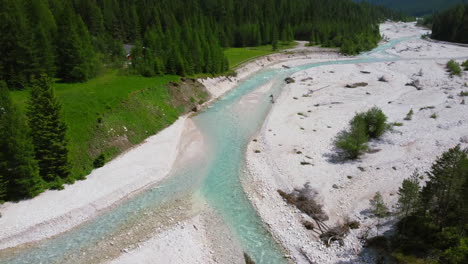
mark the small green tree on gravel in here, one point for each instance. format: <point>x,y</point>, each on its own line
<point>378,207</point>
<point>353,142</point>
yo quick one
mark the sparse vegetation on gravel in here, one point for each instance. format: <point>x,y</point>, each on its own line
<point>453,68</point>
<point>352,143</point>
<point>409,115</point>
<point>465,65</point>
<point>306,200</point>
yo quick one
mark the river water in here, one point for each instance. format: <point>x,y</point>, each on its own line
<point>228,125</point>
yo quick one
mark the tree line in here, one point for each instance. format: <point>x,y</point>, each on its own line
<point>73,39</point>
<point>33,151</point>
<point>451,25</point>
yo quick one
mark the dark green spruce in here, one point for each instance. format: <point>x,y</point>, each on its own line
<point>72,39</point>
<point>76,58</point>
<point>48,133</point>
<point>19,172</point>
<point>451,25</point>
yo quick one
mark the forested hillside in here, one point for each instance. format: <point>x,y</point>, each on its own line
<point>72,40</point>
<point>451,25</point>
<point>53,132</point>
<point>416,7</point>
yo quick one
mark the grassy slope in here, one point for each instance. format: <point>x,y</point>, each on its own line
<point>133,102</point>
<point>237,56</point>
<point>113,112</point>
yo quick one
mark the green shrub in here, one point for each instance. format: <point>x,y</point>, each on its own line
<point>363,126</point>
<point>99,161</point>
<point>353,224</point>
<point>409,115</point>
<point>353,143</point>
<point>375,121</point>
<point>454,68</point>
<point>465,65</point>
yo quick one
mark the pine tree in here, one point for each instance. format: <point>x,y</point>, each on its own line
<point>378,207</point>
<point>76,58</point>
<point>48,132</point>
<point>408,200</point>
<point>19,173</point>
<point>16,44</point>
<point>442,195</point>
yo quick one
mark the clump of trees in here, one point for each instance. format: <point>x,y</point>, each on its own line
<point>451,25</point>
<point>19,171</point>
<point>351,143</point>
<point>33,152</point>
<point>433,218</point>
<point>453,68</point>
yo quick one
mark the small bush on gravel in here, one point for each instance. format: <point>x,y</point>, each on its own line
<point>382,79</point>
<point>353,224</point>
<point>375,121</point>
<point>305,200</point>
<point>409,115</point>
<point>465,65</point>
<point>454,68</point>
<point>308,225</point>
<point>353,142</point>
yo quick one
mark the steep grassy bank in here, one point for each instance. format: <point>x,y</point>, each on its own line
<point>113,112</point>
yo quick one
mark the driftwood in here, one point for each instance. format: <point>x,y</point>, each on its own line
<point>304,254</point>
<point>355,85</point>
<point>414,83</point>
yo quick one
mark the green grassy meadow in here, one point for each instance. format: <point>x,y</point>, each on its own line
<point>237,56</point>
<point>109,114</point>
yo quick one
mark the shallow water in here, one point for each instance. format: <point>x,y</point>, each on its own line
<point>227,126</point>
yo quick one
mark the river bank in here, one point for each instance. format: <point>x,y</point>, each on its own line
<point>300,127</point>
<point>296,140</point>
<point>55,212</point>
